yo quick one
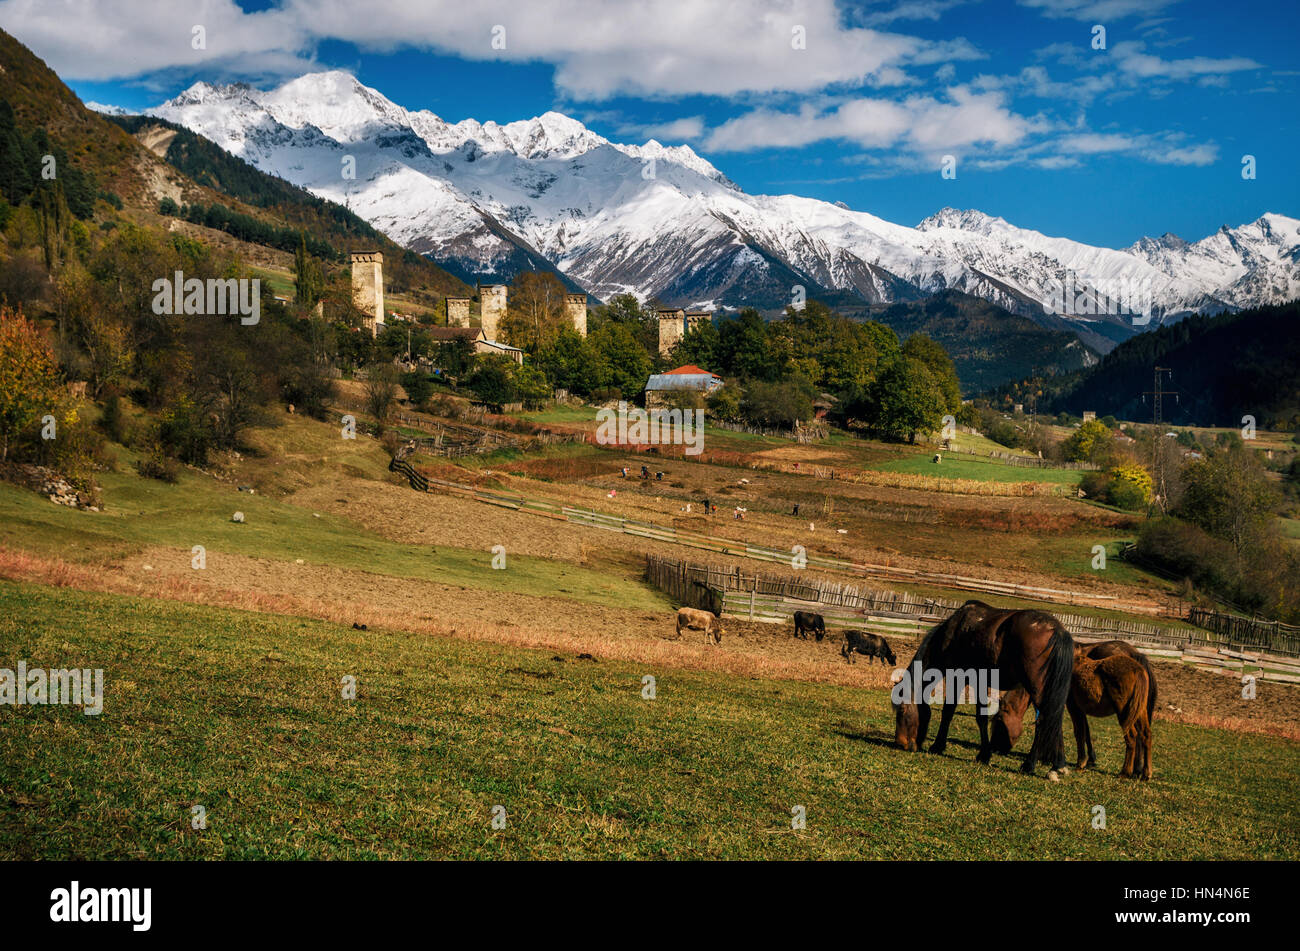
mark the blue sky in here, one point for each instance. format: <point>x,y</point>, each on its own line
<point>858,102</point>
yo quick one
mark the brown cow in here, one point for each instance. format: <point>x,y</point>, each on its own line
<point>693,619</point>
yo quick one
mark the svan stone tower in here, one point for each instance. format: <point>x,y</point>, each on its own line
<point>676,324</point>
<point>457,311</point>
<point>492,308</point>
<point>368,287</point>
<point>575,309</point>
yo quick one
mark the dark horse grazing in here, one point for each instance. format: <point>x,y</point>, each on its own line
<point>868,645</point>
<point>1027,648</point>
<point>1111,678</point>
<point>805,621</point>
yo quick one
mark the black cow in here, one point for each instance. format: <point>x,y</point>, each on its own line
<point>871,645</point>
<point>805,621</point>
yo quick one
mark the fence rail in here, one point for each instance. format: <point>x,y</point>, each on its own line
<point>741,549</point>
<point>770,597</point>
<point>1231,630</point>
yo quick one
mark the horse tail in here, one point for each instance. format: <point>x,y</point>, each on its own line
<point>1151,688</point>
<point>1048,731</point>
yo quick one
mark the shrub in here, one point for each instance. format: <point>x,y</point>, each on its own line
<point>114,422</point>
<point>418,387</point>
<point>184,434</point>
<point>158,465</point>
<point>1130,486</point>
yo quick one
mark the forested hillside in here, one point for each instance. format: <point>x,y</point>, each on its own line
<point>1223,368</point>
<point>988,344</point>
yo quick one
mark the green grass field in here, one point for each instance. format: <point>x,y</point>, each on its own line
<point>954,466</point>
<point>197,511</point>
<point>242,713</point>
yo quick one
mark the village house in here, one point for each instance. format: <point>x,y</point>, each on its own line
<point>478,339</point>
<point>665,390</point>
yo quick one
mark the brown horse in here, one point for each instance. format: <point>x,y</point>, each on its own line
<point>1029,649</point>
<point>1111,678</point>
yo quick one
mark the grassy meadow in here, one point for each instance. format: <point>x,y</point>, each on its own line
<point>242,713</point>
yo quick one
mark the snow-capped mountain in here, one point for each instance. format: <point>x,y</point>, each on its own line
<point>486,200</point>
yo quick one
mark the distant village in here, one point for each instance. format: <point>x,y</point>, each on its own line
<point>674,324</point>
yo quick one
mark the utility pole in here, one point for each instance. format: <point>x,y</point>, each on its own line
<point>1157,394</point>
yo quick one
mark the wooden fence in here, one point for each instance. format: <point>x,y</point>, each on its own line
<point>741,549</point>
<point>418,481</point>
<point>1231,630</point>
<point>802,433</point>
<point>770,597</point>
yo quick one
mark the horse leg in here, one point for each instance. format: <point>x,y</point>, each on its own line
<point>1130,749</point>
<point>1128,717</point>
<point>1146,745</point>
<point>922,722</point>
<point>1031,760</point>
<point>986,748</point>
<point>941,738</point>
<point>1079,720</point>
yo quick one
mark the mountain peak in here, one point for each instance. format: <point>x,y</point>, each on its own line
<point>969,220</point>
<point>492,198</point>
<point>551,135</point>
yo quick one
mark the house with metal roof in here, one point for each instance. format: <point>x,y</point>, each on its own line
<point>478,339</point>
<point>661,388</point>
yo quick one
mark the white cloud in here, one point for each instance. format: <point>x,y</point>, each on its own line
<point>918,124</point>
<point>1097,11</point>
<point>908,10</point>
<point>648,48</point>
<point>1131,60</point>
<point>687,128</point>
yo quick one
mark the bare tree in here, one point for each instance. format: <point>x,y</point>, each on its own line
<point>536,311</point>
<point>381,392</point>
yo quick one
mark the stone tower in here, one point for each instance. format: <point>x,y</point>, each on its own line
<point>672,327</point>
<point>457,311</point>
<point>368,287</point>
<point>492,307</point>
<point>575,309</point>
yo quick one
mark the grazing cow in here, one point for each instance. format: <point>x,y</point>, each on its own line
<point>869,645</point>
<point>692,619</point>
<point>805,621</point>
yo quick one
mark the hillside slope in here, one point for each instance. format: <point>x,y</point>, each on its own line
<point>988,344</point>
<point>1223,367</point>
<point>188,169</point>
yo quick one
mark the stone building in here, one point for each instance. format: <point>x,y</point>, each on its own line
<point>492,308</point>
<point>664,390</point>
<point>368,287</point>
<point>575,309</point>
<point>674,324</point>
<point>457,311</point>
<point>476,337</point>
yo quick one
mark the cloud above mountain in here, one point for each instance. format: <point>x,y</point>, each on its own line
<point>649,48</point>
<point>841,93</point>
